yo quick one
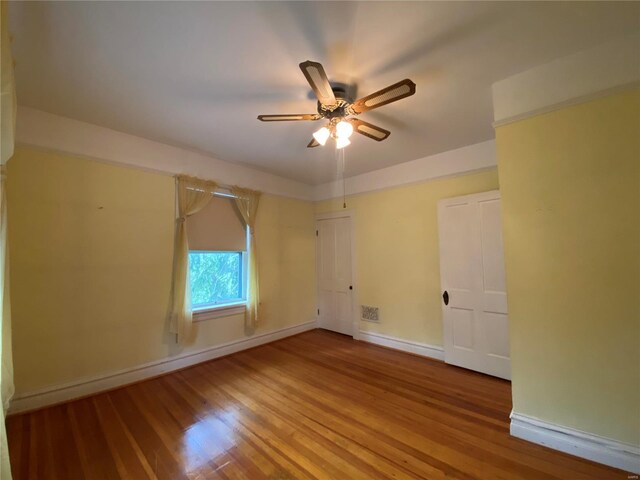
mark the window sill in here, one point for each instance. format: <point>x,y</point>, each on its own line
<point>218,311</point>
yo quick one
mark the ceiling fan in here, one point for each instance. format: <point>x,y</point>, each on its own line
<point>335,103</point>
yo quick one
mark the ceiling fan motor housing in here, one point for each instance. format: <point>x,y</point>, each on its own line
<point>344,91</point>
<point>339,110</point>
<point>345,95</point>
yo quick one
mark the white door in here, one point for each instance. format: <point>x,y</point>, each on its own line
<point>334,275</point>
<point>474,296</point>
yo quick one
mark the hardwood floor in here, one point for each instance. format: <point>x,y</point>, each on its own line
<point>317,405</point>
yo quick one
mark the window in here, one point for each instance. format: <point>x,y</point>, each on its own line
<point>216,278</point>
<point>218,262</point>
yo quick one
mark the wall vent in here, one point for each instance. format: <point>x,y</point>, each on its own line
<point>370,314</point>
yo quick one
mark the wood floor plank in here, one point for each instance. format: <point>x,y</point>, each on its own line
<point>177,433</point>
<point>66,462</point>
<point>448,429</point>
<point>130,462</point>
<point>212,436</point>
<point>270,432</point>
<point>314,406</point>
<point>191,386</point>
<point>333,457</point>
<point>164,461</point>
<point>15,430</point>
<point>317,422</point>
<point>417,441</point>
<point>95,457</point>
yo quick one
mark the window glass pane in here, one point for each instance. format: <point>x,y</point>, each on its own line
<point>215,277</point>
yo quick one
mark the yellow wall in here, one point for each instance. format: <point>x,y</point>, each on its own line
<point>91,252</point>
<point>570,183</point>
<point>397,257</point>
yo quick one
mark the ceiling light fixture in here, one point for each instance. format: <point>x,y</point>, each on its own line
<point>322,135</point>
<point>340,130</point>
<point>342,142</point>
<point>344,129</point>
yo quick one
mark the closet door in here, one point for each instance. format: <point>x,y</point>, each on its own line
<point>474,297</point>
<point>335,287</point>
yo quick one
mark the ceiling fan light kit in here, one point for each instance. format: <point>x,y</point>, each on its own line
<point>336,105</point>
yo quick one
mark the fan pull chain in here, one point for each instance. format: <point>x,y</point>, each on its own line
<point>344,188</point>
<point>340,167</point>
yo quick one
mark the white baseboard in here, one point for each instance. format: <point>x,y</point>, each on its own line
<point>89,386</point>
<point>575,442</point>
<point>417,348</point>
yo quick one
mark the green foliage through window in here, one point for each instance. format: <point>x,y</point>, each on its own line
<point>215,277</point>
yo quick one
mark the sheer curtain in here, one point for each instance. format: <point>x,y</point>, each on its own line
<point>193,195</point>
<point>8,122</point>
<point>247,203</point>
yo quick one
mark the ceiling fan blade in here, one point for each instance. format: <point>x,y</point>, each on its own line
<point>369,130</point>
<point>392,93</point>
<point>289,117</point>
<point>313,143</point>
<point>317,78</point>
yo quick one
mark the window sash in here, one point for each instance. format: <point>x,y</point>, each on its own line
<point>242,279</point>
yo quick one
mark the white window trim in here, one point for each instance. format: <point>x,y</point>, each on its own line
<point>218,311</point>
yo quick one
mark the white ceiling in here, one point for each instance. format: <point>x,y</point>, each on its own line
<point>197,74</point>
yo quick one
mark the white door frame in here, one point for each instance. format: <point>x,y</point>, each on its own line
<point>351,215</point>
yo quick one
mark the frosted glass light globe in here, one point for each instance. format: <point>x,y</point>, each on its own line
<point>342,142</point>
<point>322,135</point>
<point>344,129</point>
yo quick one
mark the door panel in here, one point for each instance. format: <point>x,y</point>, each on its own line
<point>462,326</point>
<point>492,249</point>
<point>497,334</point>
<point>334,275</point>
<point>326,247</point>
<point>476,333</point>
<point>343,313</point>
<point>494,302</point>
<point>460,248</point>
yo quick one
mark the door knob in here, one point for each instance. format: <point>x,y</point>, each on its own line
<point>350,287</point>
<point>445,297</point>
